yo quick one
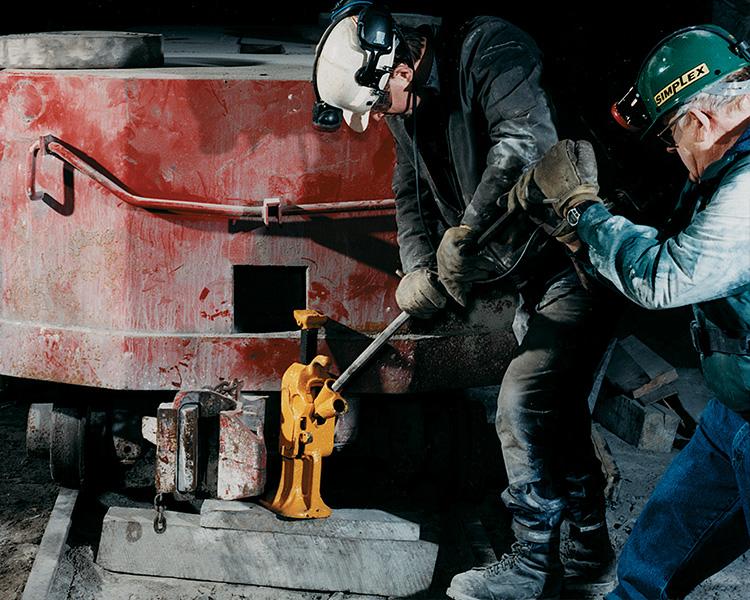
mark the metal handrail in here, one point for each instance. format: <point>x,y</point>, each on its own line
<point>269,209</point>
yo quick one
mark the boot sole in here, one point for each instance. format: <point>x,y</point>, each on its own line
<point>587,591</point>
<point>461,596</point>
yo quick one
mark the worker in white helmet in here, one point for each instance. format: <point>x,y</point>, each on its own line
<point>468,115</point>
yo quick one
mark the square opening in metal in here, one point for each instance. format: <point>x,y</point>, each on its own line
<point>265,298</point>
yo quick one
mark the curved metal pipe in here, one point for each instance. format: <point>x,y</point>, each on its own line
<point>53,146</point>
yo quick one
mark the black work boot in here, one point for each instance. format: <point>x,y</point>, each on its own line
<point>590,565</point>
<point>531,571</point>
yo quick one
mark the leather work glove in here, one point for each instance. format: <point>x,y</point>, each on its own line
<point>419,294</point>
<point>563,178</point>
<point>459,264</point>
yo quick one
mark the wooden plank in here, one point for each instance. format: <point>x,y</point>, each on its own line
<point>601,370</point>
<point>611,471</point>
<point>652,427</point>
<point>51,548</point>
<point>636,370</point>
<point>653,364</point>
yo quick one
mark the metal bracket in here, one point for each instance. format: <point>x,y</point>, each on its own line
<point>271,210</point>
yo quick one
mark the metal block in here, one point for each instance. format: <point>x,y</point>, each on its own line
<point>187,449</point>
<point>166,449</point>
<point>211,444</point>
<point>242,450</point>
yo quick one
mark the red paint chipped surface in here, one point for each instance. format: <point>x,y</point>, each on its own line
<point>216,315</point>
<point>122,292</point>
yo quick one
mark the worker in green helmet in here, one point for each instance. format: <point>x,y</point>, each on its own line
<point>693,93</point>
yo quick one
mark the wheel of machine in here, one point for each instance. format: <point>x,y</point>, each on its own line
<point>67,451</point>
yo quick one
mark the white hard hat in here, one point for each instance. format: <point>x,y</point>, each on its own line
<point>339,59</point>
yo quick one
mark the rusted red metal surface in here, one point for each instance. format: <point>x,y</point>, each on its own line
<point>101,291</point>
<point>242,454</point>
<point>183,451</point>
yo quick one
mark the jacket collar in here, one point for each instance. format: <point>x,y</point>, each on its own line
<point>741,148</point>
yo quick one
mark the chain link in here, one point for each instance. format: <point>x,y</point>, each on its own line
<point>160,521</point>
<point>231,388</point>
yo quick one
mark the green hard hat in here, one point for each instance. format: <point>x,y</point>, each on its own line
<point>680,66</point>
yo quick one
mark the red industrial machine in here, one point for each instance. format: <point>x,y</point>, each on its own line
<point>160,225</point>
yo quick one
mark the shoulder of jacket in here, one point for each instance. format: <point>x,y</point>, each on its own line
<point>490,32</point>
<point>737,169</point>
<point>741,164</point>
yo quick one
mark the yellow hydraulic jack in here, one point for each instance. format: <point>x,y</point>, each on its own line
<point>308,409</point>
<point>310,401</point>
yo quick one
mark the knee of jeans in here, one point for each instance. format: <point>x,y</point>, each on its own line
<point>510,416</point>
<point>514,386</point>
<point>518,410</point>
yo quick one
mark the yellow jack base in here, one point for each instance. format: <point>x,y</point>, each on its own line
<point>298,496</point>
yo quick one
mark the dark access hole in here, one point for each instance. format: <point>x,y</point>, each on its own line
<point>265,298</point>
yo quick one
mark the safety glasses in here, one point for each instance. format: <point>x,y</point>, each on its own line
<point>666,135</point>
<point>383,103</point>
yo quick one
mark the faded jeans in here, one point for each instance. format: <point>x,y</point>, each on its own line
<point>696,521</point>
<point>543,418</point>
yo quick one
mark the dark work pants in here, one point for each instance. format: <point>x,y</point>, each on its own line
<point>543,419</point>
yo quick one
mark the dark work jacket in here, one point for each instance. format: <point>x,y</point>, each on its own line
<point>492,119</point>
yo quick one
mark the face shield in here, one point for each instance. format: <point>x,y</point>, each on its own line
<point>630,111</point>
<point>353,62</point>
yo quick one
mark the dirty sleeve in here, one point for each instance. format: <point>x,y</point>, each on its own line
<point>416,219</point>
<point>709,259</point>
<point>504,77</point>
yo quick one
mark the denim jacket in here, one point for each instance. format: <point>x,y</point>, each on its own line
<point>705,264</point>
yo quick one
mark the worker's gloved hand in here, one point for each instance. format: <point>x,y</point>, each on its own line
<point>459,264</point>
<point>564,177</point>
<point>419,294</point>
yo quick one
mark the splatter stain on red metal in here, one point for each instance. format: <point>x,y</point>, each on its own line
<point>219,313</point>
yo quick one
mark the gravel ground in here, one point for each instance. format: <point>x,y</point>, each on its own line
<point>26,499</point>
